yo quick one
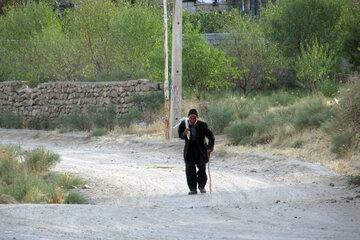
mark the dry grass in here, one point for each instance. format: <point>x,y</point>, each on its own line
<point>315,149</point>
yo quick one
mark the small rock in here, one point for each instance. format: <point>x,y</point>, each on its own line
<point>332,185</point>
<point>277,201</point>
<point>357,196</point>
<point>349,198</point>
<point>72,187</point>
<point>333,201</point>
<point>86,187</point>
<point>253,171</point>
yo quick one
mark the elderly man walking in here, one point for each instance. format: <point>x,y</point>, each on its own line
<point>196,150</point>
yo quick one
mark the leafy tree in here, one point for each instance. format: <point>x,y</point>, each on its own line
<point>209,22</point>
<point>136,40</point>
<point>351,45</point>
<point>204,66</point>
<point>90,25</point>
<point>255,59</point>
<point>18,28</point>
<point>315,64</point>
<point>293,23</point>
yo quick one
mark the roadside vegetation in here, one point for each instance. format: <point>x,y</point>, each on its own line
<point>26,176</point>
<point>276,78</point>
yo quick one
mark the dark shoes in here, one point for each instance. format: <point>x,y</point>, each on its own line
<point>192,192</point>
<point>202,190</point>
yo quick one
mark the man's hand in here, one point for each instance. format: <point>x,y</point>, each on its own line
<point>186,131</point>
<point>208,153</point>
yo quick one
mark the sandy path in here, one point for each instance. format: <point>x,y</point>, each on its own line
<point>254,196</point>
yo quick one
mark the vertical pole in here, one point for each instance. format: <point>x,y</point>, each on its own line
<point>176,67</point>
<point>166,75</point>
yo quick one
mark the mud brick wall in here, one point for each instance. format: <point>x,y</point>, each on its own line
<point>62,98</point>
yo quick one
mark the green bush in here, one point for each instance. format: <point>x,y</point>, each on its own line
<point>311,113</point>
<point>40,160</point>
<point>9,119</point>
<point>297,144</point>
<point>130,117</point>
<point>328,87</point>
<point>75,198</point>
<point>342,142</point>
<point>353,181</point>
<point>240,132</point>
<point>24,175</point>
<point>99,132</point>
<point>282,99</point>
<point>219,117</point>
<point>296,22</point>
<point>39,123</point>
<point>149,102</point>
<point>315,64</point>
<point>347,112</point>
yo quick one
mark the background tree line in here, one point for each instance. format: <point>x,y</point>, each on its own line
<point>291,44</point>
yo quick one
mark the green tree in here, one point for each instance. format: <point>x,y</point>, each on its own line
<point>255,59</point>
<point>90,26</point>
<point>18,30</point>
<point>136,40</point>
<point>351,45</point>
<point>204,66</point>
<point>315,64</point>
<point>292,23</point>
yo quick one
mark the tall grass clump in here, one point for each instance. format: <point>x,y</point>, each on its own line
<point>145,108</point>
<point>240,132</point>
<point>311,112</point>
<point>344,127</point>
<point>219,117</point>
<point>26,176</point>
<point>9,119</point>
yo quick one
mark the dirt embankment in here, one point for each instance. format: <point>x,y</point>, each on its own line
<point>139,192</point>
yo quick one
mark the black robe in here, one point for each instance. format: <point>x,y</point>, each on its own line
<point>202,131</point>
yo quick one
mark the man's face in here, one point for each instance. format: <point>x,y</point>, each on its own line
<point>192,119</point>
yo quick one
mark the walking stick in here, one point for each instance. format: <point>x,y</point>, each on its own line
<point>209,173</point>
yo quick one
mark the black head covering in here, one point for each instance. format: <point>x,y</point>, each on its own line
<point>193,111</point>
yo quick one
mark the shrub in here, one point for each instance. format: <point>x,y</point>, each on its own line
<point>128,118</point>
<point>296,22</point>
<point>297,144</point>
<point>39,160</point>
<point>342,142</point>
<point>311,113</point>
<point>40,123</point>
<point>24,175</point>
<point>204,66</point>
<point>354,181</point>
<point>328,87</point>
<point>75,198</point>
<point>219,117</point>
<point>240,131</point>
<point>79,121</point>
<point>149,102</point>
<point>99,132</point>
<point>282,99</point>
<point>347,112</point>
<point>9,119</point>
<point>314,65</point>
<point>255,59</point>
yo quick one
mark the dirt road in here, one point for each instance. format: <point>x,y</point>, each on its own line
<point>139,192</point>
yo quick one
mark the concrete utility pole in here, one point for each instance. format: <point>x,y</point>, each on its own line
<point>166,75</point>
<point>176,67</point>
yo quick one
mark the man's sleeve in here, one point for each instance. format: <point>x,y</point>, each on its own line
<point>210,137</point>
<point>181,130</point>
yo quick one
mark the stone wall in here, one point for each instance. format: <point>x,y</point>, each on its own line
<point>62,98</point>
